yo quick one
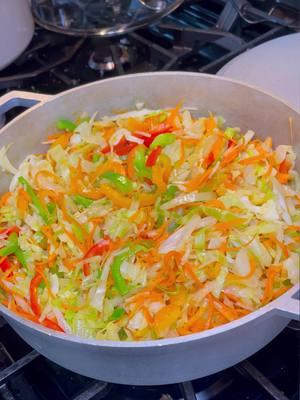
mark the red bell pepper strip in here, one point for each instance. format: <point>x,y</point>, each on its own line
<point>5,265</point>
<point>34,301</point>
<point>52,325</point>
<point>158,130</point>
<point>105,150</point>
<point>9,230</point>
<point>98,249</point>
<point>153,156</point>
<point>210,159</point>
<point>122,148</point>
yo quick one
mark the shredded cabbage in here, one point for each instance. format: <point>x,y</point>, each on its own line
<point>107,237</point>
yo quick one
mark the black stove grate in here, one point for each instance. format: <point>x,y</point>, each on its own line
<point>198,36</point>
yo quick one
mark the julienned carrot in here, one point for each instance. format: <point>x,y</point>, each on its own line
<point>23,201</point>
<point>198,181</point>
<point>4,198</point>
<point>189,267</point>
<point>231,154</point>
<point>268,293</point>
<point>174,113</point>
<point>218,147</point>
<point>61,139</point>
<point>210,311</point>
<point>254,159</point>
<point>283,178</point>
<point>284,247</point>
<point>228,313</point>
<point>210,123</point>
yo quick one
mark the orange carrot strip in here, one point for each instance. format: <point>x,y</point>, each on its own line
<point>227,313</point>
<point>4,198</point>
<point>284,248</point>
<point>254,159</point>
<point>210,123</point>
<point>198,181</point>
<point>231,154</point>
<point>23,201</point>
<point>210,312</point>
<point>190,270</point>
<point>283,178</point>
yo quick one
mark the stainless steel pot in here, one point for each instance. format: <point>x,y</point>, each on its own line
<point>167,360</point>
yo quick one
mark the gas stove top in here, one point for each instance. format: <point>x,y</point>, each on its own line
<point>198,36</point>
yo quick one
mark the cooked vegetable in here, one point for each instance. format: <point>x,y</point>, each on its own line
<point>163,140</point>
<point>121,182</point>
<point>35,199</point>
<point>149,224</point>
<point>65,125</point>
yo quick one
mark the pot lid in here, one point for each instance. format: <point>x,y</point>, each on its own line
<point>100,18</point>
<point>273,66</point>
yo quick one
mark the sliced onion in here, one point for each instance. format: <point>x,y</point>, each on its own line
<point>138,321</point>
<point>177,239</point>
<point>5,164</point>
<point>98,294</point>
<point>242,263</point>
<point>277,188</point>
<point>61,321</point>
<point>248,136</point>
<point>188,198</point>
<point>54,283</point>
<point>22,304</point>
<point>281,152</point>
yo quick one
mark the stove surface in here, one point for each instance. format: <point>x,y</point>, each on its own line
<point>198,36</point>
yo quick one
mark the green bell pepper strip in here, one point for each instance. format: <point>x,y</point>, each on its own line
<point>65,125</point>
<point>128,252</point>
<point>200,239</point>
<point>12,245</point>
<point>230,133</point>
<point>21,256</point>
<point>35,200</point>
<point>163,140</point>
<point>117,314</point>
<point>169,193</point>
<point>96,157</point>
<point>220,215</point>
<point>139,163</point>
<point>78,232</point>
<point>121,182</point>
<point>122,334</point>
<point>82,201</point>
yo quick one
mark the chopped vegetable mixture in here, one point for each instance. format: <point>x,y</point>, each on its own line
<point>148,224</point>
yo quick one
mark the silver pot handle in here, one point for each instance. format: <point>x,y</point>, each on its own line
<point>17,98</point>
<point>289,307</point>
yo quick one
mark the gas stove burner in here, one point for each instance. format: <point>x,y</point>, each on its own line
<point>294,326</point>
<point>108,57</point>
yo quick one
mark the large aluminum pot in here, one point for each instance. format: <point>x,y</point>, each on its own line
<point>167,360</point>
